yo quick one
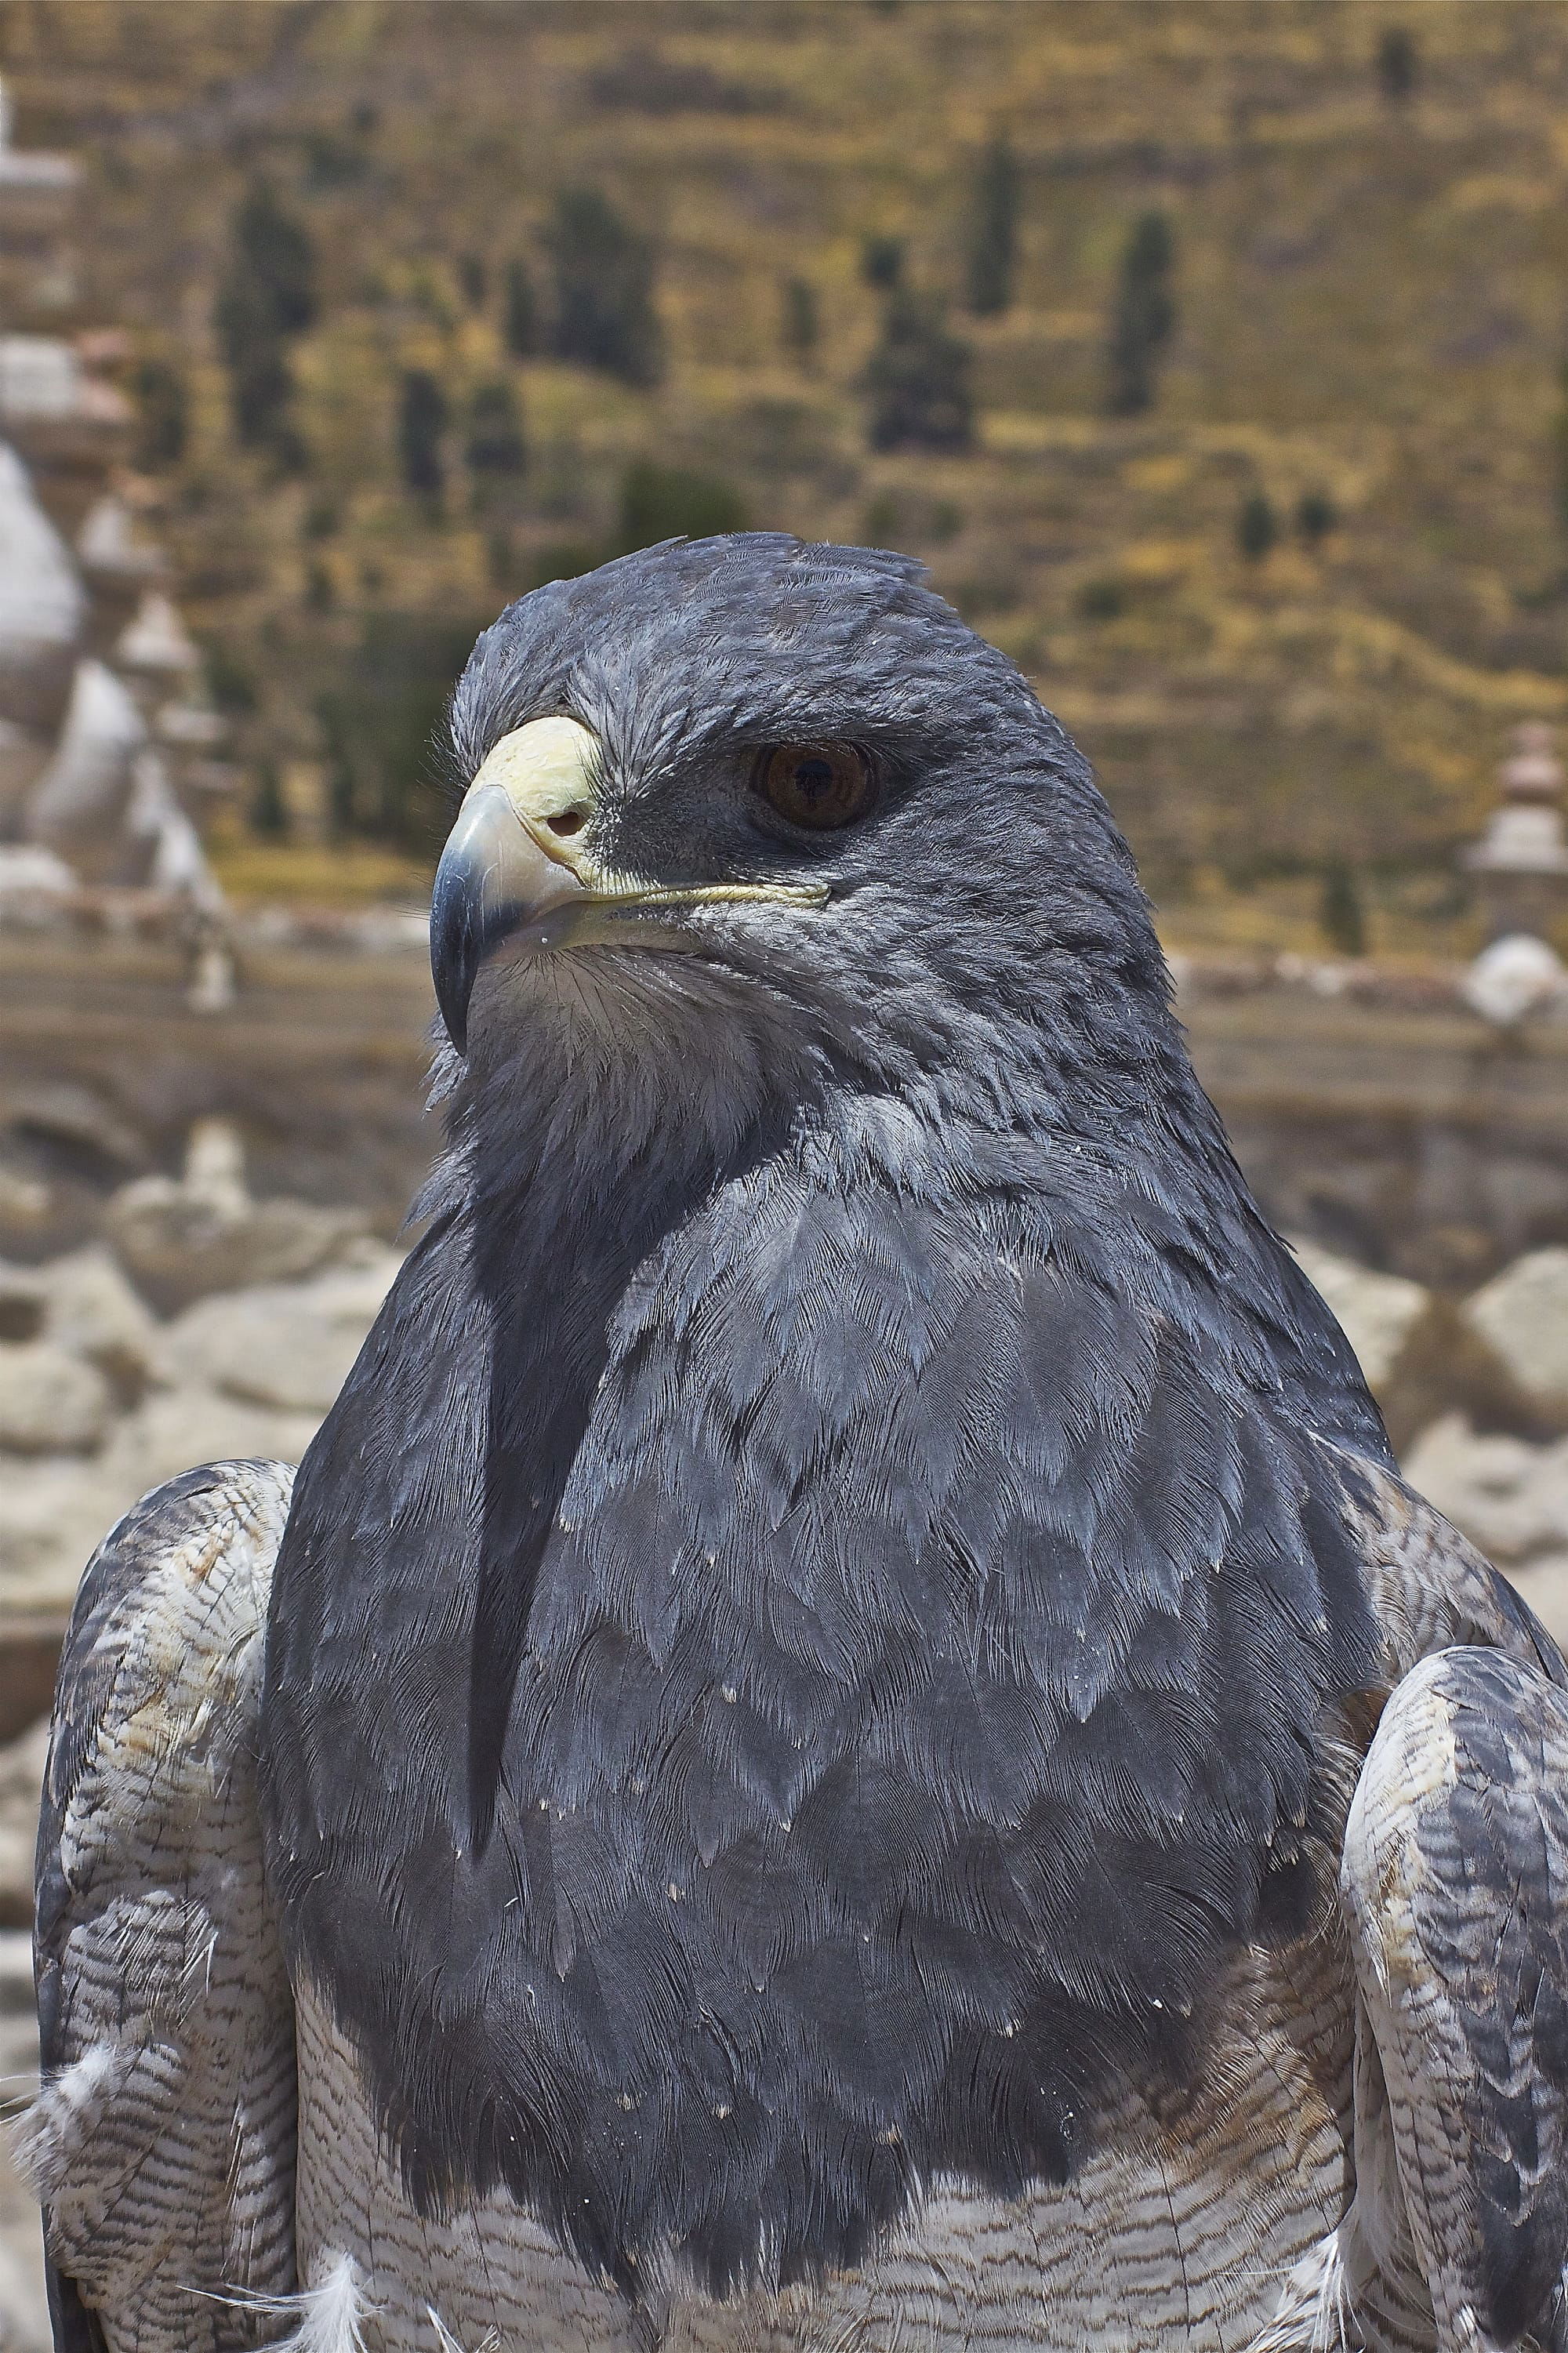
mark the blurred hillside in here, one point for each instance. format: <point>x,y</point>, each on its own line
<point>1290,607</point>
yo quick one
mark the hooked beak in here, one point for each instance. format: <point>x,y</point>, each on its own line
<point>518,862</point>
<point>512,860</point>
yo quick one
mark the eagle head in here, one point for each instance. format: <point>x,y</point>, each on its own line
<point>759,817</point>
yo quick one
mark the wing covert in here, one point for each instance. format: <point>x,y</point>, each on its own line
<point>1454,1880</point>
<point>161,2144</point>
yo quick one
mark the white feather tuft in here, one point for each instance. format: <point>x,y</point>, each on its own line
<point>47,2137</point>
<point>328,2314</point>
<point>1313,2315</point>
<point>488,2343</point>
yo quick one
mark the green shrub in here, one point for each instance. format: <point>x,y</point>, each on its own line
<point>1143,317</point>
<point>919,380</point>
<point>495,444</point>
<point>603,271</point>
<point>421,422</point>
<point>670,502</point>
<point>1257,526</point>
<point>994,230</point>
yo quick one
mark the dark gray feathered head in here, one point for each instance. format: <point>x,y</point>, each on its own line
<point>804,811</point>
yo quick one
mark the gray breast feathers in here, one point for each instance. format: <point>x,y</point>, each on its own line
<point>163,2143</point>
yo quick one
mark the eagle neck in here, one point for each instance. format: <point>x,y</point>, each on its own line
<point>564,1207</point>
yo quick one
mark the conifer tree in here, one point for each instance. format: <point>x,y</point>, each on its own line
<point>1257,526</point>
<point>919,379</point>
<point>268,295</point>
<point>800,326</point>
<point>882,262</point>
<point>1398,63</point>
<point>495,444</point>
<point>421,422</point>
<point>519,311</point>
<point>1144,315</point>
<point>994,230</point>
<point>1316,515</point>
<point>162,415</point>
<point>604,272</point>
<point>268,811</point>
<point>671,502</point>
<point>1341,916</point>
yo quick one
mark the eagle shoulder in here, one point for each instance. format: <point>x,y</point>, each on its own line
<point>1427,1585</point>
<point>161,2144</point>
<point>1455,1860</point>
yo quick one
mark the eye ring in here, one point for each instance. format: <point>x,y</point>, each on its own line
<point>820,786</point>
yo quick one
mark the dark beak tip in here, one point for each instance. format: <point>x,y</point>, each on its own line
<point>454,951</point>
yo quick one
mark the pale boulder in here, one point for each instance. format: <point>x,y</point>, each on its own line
<point>51,1403</point>
<point>1544,1584</point>
<point>1521,1319</point>
<point>21,1764</point>
<point>179,1243</point>
<point>1509,1498</point>
<point>56,1511</point>
<point>175,1430</point>
<point>91,1311</point>
<point>53,1515</point>
<point>288,1346</point>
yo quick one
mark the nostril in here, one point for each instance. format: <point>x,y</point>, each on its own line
<point>567,821</point>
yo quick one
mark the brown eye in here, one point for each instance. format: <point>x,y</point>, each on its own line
<point>818,784</point>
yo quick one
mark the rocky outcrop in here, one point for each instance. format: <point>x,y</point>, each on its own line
<point>181,1239</point>
<point>50,1402</point>
<point>284,1346</point>
<point>203,1323</point>
<point>1522,1317</point>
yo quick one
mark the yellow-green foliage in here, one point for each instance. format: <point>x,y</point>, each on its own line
<point>1371,296</point>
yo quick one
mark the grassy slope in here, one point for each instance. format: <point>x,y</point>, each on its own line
<point>1373,301</point>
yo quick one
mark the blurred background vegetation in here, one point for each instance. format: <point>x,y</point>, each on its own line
<point>1212,354</point>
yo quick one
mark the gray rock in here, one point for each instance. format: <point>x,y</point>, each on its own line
<point>1509,1498</point>
<point>180,1243</point>
<point>1522,1318</point>
<point>174,1429</point>
<point>91,1311</point>
<point>284,1346</point>
<point>51,1403</point>
<point>53,1514</point>
<point>64,1112</point>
